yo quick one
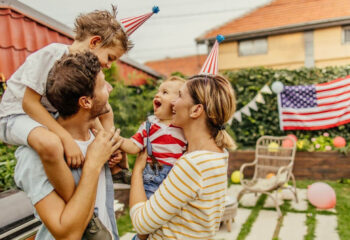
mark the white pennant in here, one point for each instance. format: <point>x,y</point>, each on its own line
<point>246,110</point>
<point>266,89</point>
<point>238,116</point>
<point>253,105</point>
<point>259,98</point>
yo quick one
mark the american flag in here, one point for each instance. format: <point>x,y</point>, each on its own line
<point>315,107</point>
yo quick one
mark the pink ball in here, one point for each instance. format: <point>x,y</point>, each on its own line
<point>287,143</point>
<point>293,136</point>
<point>321,195</point>
<point>339,142</point>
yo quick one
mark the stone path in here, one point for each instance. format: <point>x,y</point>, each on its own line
<point>292,227</point>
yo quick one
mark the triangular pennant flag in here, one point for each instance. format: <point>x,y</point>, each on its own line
<point>245,110</point>
<point>253,105</point>
<point>130,24</point>
<point>259,98</point>
<point>266,89</point>
<point>210,65</point>
<point>238,116</point>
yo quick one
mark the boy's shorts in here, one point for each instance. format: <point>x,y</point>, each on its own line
<point>15,129</point>
<point>151,181</point>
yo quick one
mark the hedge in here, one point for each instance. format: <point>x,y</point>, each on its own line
<point>265,121</point>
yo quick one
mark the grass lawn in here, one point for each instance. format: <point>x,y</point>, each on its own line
<point>343,213</point>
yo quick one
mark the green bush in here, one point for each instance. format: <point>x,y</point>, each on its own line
<point>265,121</point>
<point>7,166</point>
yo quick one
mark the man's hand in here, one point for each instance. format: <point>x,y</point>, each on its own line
<point>116,158</point>
<point>103,146</point>
<point>72,152</point>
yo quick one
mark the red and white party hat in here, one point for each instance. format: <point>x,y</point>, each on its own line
<point>130,24</point>
<point>211,64</point>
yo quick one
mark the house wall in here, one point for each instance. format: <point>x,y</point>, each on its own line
<point>288,51</point>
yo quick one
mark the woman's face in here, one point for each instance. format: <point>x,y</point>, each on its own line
<point>182,107</point>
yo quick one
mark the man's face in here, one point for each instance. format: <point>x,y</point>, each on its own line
<point>100,99</point>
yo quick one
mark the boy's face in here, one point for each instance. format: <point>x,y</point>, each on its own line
<point>107,55</point>
<point>101,95</point>
<point>167,92</point>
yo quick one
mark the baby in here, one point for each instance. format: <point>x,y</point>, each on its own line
<point>165,143</point>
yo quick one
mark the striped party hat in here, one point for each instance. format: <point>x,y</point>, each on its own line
<point>211,64</point>
<point>132,23</point>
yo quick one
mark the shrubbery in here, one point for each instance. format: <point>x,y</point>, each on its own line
<point>265,121</point>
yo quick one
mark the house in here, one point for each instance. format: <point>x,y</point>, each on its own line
<point>286,34</point>
<point>188,65</point>
<point>25,30</point>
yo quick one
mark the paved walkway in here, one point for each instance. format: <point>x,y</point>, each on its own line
<point>292,227</point>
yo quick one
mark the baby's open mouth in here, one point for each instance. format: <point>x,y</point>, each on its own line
<point>157,103</point>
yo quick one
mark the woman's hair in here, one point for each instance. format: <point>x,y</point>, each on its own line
<point>216,95</point>
<point>103,24</point>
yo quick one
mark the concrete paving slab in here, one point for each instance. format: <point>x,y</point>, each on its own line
<point>249,199</point>
<point>293,227</point>
<point>264,226</point>
<point>270,203</point>
<point>234,189</point>
<point>302,205</point>
<point>326,227</point>
<point>332,210</point>
<point>240,219</point>
<point>302,193</point>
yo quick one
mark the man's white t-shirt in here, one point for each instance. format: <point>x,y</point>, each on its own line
<point>100,203</point>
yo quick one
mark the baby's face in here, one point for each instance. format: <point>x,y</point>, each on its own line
<point>167,92</point>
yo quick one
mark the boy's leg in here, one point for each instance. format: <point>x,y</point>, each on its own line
<point>49,147</point>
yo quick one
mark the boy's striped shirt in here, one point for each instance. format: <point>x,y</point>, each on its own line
<point>189,203</point>
<point>168,141</point>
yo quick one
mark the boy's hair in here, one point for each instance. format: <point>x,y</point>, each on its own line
<point>175,78</point>
<point>72,77</point>
<point>103,24</point>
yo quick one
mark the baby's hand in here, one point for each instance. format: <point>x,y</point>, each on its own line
<point>116,158</point>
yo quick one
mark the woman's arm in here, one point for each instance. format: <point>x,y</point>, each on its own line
<point>181,186</point>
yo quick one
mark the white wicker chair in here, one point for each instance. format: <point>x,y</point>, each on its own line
<point>270,158</point>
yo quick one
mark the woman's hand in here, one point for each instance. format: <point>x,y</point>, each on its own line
<point>140,162</point>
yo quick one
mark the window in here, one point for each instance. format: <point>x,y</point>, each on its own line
<point>252,47</point>
<point>346,34</point>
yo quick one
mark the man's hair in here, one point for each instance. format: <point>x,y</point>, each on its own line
<point>72,77</point>
<point>103,24</point>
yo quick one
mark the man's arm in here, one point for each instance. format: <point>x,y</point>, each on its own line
<point>68,221</point>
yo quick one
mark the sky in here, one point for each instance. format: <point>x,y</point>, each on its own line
<point>170,33</point>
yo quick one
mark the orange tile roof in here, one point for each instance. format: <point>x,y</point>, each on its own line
<point>188,65</point>
<point>280,13</point>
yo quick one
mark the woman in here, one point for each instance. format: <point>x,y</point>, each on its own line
<point>190,202</point>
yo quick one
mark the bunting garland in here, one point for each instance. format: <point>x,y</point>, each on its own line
<point>251,105</point>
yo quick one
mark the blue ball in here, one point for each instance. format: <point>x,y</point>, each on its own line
<point>220,38</point>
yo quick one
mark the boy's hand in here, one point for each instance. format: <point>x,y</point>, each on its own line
<point>116,158</point>
<point>72,152</point>
<point>101,149</point>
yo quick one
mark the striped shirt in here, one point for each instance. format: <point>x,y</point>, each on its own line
<point>189,203</point>
<point>168,142</point>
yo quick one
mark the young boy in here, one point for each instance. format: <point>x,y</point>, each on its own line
<point>165,142</point>
<point>26,117</point>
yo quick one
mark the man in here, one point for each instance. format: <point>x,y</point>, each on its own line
<point>77,89</point>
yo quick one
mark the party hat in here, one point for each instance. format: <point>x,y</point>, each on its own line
<point>132,23</point>
<point>211,64</point>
